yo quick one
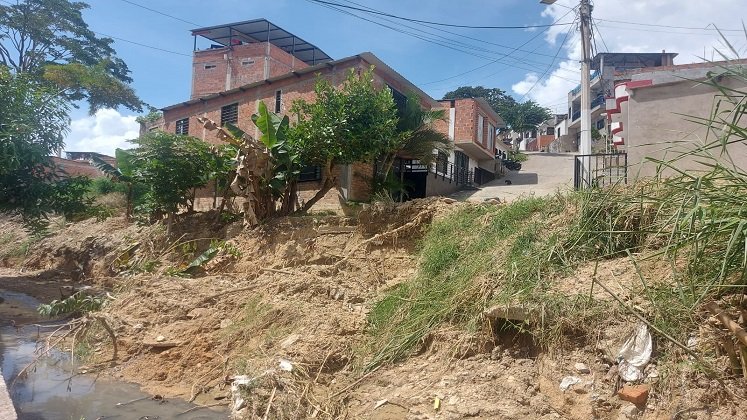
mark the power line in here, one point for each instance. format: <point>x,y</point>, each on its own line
<point>594,24</point>
<point>654,30</point>
<point>497,60</point>
<point>434,23</point>
<point>429,39</point>
<point>706,28</point>
<point>567,34</point>
<point>160,13</point>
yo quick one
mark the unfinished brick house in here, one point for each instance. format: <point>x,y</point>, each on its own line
<point>252,61</point>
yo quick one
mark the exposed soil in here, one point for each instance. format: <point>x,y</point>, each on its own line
<point>291,311</point>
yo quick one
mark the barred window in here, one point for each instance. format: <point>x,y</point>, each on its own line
<point>278,101</point>
<point>182,126</point>
<point>229,114</point>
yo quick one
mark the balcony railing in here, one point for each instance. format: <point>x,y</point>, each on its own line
<point>599,100</point>
<point>577,89</point>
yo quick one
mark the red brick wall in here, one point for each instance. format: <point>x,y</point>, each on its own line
<point>213,80</point>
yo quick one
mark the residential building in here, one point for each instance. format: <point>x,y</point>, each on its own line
<point>607,69</point>
<point>654,112</point>
<point>252,61</point>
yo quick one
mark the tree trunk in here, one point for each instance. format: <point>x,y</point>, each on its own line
<point>329,182</point>
<point>128,210</point>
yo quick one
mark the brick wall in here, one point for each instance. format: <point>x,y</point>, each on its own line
<point>240,65</point>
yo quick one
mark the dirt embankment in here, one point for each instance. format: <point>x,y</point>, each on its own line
<point>287,308</point>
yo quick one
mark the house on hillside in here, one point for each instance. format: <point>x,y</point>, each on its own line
<point>252,61</point>
<point>651,112</point>
<point>608,69</point>
<point>78,164</point>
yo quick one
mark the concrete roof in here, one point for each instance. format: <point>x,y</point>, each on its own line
<point>379,66</point>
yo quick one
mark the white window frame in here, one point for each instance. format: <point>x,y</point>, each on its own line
<point>480,123</point>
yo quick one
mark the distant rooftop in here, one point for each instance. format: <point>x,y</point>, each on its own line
<point>262,30</point>
<point>627,61</point>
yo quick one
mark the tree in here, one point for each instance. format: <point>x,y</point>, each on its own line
<point>525,116</point>
<point>49,40</point>
<point>123,173</point>
<point>415,135</point>
<point>170,166</point>
<point>498,99</point>
<point>353,123</point>
<point>33,122</point>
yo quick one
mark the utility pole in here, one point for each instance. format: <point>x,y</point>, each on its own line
<point>585,19</point>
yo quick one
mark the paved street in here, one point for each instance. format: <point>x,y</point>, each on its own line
<point>542,174</point>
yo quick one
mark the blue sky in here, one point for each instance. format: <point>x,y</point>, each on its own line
<point>163,78</point>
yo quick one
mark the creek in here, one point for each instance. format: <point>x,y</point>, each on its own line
<point>54,388</point>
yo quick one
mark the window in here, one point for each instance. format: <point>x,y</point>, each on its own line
<point>480,122</point>
<point>400,100</point>
<point>491,137</point>
<point>182,126</point>
<point>600,124</point>
<point>247,62</point>
<point>229,114</point>
<point>550,131</point>
<point>210,66</point>
<point>442,162</point>
<point>310,173</point>
<point>278,100</point>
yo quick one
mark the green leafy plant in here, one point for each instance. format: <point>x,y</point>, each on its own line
<point>76,304</point>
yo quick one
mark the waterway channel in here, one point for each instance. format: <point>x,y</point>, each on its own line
<point>55,389</point>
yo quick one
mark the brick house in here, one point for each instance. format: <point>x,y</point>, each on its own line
<point>252,61</point>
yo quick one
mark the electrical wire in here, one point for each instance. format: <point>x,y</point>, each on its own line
<point>706,28</point>
<point>497,60</point>
<point>547,70</point>
<point>434,23</point>
<point>160,13</point>
<point>594,25</point>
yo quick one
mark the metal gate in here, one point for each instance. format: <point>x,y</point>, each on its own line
<point>600,170</point>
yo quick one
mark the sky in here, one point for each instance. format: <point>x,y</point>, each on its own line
<point>541,63</point>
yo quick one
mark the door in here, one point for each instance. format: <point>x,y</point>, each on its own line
<point>461,167</point>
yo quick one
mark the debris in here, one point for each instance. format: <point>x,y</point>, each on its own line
<point>569,381</point>
<point>582,368</point>
<point>493,201</point>
<point>160,339</point>
<point>286,365</point>
<point>380,403</point>
<point>138,327</point>
<point>436,403</point>
<point>630,411</point>
<point>448,200</point>
<point>729,323</point>
<point>635,354</point>
<point>637,394</point>
<point>289,341</point>
<point>515,313</point>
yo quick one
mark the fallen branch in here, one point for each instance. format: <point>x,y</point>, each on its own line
<point>269,403</point>
<point>729,323</point>
<point>199,407</point>
<point>355,383</point>
<point>225,292</point>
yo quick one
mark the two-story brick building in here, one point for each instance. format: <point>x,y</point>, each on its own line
<point>252,61</point>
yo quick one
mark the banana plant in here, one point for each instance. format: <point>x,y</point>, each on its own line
<point>123,173</point>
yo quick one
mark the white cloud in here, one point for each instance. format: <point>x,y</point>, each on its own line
<point>621,37</point>
<point>102,132</point>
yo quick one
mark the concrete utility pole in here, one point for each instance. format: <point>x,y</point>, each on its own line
<point>585,18</point>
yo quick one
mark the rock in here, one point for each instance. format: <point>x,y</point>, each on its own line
<point>160,338</point>
<point>226,323</point>
<point>569,381</point>
<point>448,200</point>
<point>630,411</point>
<point>138,327</point>
<point>582,368</point>
<point>637,394</point>
<point>494,201</point>
<point>289,341</point>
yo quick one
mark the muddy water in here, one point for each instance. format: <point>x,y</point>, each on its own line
<point>52,391</point>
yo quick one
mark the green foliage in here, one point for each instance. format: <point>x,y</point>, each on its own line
<point>525,116</point>
<point>170,166</point>
<point>285,159</point>
<point>49,41</point>
<point>498,99</point>
<point>77,304</point>
<point>151,117</point>
<point>354,123</point>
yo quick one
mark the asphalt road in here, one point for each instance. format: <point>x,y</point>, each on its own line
<point>542,174</point>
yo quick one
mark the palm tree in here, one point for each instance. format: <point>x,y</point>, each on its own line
<point>416,137</point>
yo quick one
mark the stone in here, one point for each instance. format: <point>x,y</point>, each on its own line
<point>582,368</point>
<point>448,200</point>
<point>226,323</point>
<point>630,411</point>
<point>637,394</point>
<point>160,338</point>
<point>493,201</point>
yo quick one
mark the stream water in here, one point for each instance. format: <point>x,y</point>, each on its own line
<point>51,391</point>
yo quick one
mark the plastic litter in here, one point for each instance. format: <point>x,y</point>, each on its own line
<point>569,381</point>
<point>634,354</point>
